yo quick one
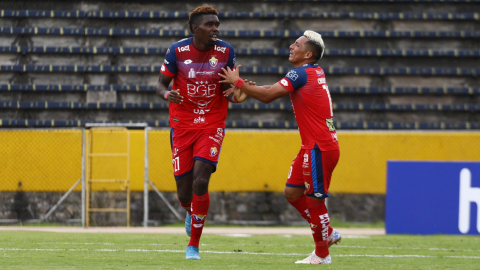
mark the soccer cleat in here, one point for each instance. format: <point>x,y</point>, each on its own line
<point>192,253</point>
<point>188,224</point>
<point>334,238</point>
<point>314,259</point>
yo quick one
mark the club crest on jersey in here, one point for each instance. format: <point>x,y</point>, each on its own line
<point>199,218</point>
<point>213,61</point>
<point>213,151</point>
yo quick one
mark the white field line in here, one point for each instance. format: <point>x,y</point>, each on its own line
<point>244,253</point>
<point>267,245</point>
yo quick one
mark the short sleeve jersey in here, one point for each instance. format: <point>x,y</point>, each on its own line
<point>312,106</point>
<point>195,74</point>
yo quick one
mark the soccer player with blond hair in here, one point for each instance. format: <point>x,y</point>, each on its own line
<point>309,177</point>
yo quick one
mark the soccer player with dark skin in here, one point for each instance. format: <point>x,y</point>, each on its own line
<point>310,174</point>
<point>198,111</point>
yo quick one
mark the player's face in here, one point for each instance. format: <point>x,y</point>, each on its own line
<point>297,50</point>
<point>207,29</point>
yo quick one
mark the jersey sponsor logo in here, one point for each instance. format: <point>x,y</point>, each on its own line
<point>219,132</point>
<point>213,151</point>
<point>284,82</point>
<point>321,80</point>
<point>188,61</point>
<point>201,104</point>
<point>176,120</point>
<point>199,218</point>
<point>220,49</point>
<point>205,72</point>
<point>184,48</point>
<point>200,111</point>
<point>292,75</point>
<point>213,62</point>
<point>191,73</point>
<point>199,120</point>
<point>201,89</point>
<point>330,125</point>
<point>320,73</point>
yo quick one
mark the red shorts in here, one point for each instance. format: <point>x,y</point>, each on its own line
<point>312,170</point>
<point>189,145</point>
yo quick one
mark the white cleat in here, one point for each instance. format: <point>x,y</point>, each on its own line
<point>334,238</point>
<point>314,259</point>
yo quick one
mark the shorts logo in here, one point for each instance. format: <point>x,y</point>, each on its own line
<point>318,195</point>
<point>199,218</point>
<point>213,151</point>
<point>284,82</point>
<point>197,225</point>
<point>313,225</point>
<point>213,61</point>
<point>307,186</point>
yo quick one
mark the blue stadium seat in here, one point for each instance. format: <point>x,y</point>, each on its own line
<point>237,15</point>
<point>237,33</point>
<point>282,52</point>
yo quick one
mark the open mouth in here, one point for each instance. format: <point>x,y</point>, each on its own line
<point>214,37</point>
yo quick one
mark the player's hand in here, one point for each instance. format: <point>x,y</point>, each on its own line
<point>230,76</point>
<point>239,95</point>
<point>229,91</point>
<point>175,97</point>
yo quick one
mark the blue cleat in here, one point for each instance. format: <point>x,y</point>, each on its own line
<point>188,224</point>
<point>192,253</point>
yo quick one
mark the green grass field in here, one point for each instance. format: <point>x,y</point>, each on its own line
<point>44,250</point>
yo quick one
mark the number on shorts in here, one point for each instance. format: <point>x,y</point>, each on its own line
<point>176,164</point>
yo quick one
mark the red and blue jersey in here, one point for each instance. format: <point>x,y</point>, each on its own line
<point>312,106</point>
<point>195,74</point>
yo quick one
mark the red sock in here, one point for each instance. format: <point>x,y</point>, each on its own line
<point>200,206</point>
<point>187,206</point>
<point>320,223</point>
<point>300,204</point>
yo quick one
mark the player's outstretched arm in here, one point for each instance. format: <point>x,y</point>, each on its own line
<point>162,90</point>
<point>265,94</point>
